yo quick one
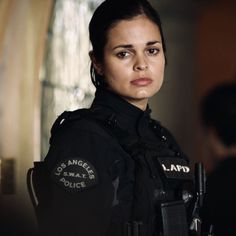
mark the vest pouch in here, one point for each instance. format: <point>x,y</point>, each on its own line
<point>174,219</point>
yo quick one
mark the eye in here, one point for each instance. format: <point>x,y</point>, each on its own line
<point>153,51</point>
<point>122,54</point>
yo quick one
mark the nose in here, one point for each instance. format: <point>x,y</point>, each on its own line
<point>140,64</point>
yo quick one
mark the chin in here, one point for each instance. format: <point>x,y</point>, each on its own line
<point>143,93</point>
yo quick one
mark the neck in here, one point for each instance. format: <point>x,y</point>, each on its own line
<point>141,104</point>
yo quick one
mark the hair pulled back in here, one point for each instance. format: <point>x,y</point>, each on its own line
<point>106,16</point>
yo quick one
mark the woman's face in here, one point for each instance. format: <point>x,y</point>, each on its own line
<point>134,62</point>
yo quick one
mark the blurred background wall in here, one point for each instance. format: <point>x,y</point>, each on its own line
<point>200,37</point>
<point>215,53</point>
<point>23,27</point>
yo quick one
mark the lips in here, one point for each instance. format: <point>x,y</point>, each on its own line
<point>141,82</point>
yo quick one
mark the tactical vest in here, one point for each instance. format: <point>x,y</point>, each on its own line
<point>161,201</point>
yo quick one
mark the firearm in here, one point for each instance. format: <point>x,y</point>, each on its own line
<point>200,189</point>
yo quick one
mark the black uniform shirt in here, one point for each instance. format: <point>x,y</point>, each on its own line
<point>92,175</point>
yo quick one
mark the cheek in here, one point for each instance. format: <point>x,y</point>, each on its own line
<point>160,71</point>
<point>158,65</point>
<point>109,68</point>
<point>162,65</point>
<point>115,72</point>
<point>111,75</point>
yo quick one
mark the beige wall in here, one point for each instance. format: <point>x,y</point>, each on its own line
<point>23,27</point>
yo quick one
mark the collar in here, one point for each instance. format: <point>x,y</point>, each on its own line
<point>127,115</point>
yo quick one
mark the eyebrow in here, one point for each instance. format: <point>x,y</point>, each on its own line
<point>131,46</point>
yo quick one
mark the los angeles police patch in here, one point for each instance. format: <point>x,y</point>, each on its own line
<point>75,174</point>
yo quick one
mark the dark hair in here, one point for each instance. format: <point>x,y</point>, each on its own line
<point>218,110</point>
<point>106,16</point>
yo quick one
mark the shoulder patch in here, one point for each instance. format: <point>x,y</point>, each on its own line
<point>75,175</point>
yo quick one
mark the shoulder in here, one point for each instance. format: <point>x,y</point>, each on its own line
<point>80,148</point>
<point>77,123</point>
<point>75,134</point>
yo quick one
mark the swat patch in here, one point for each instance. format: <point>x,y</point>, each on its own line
<point>75,175</point>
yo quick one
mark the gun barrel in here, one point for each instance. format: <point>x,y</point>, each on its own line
<point>200,177</point>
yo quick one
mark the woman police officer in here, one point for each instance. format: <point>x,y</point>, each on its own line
<point>111,169</point>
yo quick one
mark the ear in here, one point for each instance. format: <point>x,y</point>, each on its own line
<point>96,64</point>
